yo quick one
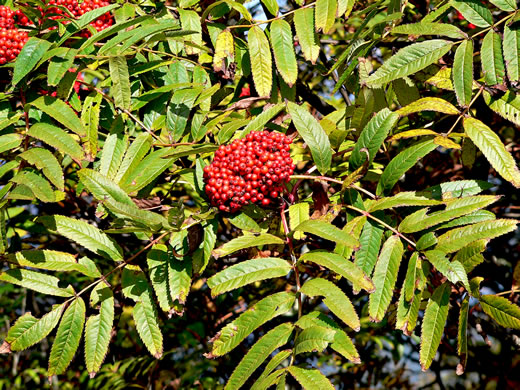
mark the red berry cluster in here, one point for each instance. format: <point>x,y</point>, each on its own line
<point>6,17</point>
<point>249,170</point>
<point>11,42</point>
<point>21,19</point>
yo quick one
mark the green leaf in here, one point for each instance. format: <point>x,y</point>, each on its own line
<point>492,59</point>
<point>28,330</point>
<point>345,8</point>
<point>50,260</point>
<point>272,6</point>
<point>146,171</point>
<point>313,135</point>
<point>426,241</point>
<point>29,56</point>
<point>462,335</point>
<point>67,338</point>
<point>146,323</point>
<point>246,241</point>
<point>453,271</point>
<point>269,368</point>
<point>88,17</point>
<point>270,380</point>
<point>341,266</point>
<point>60,64</point>
<point>492,147</point>
<point>47,163</point>
<point>103,188</point>
<point>245,222</point>
<point>247,272</point>
<point>307,37</point>
<point>457,189</point>
<point>427,104</point>
<point>409,60</point>
<point>372,137</point>
<point>113,30</point>
<point>261,62</point>
<point>433,324</point>
<point>298,213</point>
<point>98,330</point>
<point>504,312</point>
<point>353,227</point>
<point>385,276</point>
<point>283,50</point>
<point>178,111</point>
<point>456,239</point>
<point>261,120</point>
<point>9,141</point>
<point>505,5</point>
<point>403,199</point>
<point>341,343</point>
<point>428,28</point>
<point>328,231</point>
<point>408,312</point>
<point>507,105</point>
<point>474,12</point>
<point>57,138</point>
<point>369,245</point>
<point>455,208</point>
<point>170,277</point>
<point>135,286</point>
<point>335,299</point>
<point>313,339</point>
<point>463,72</point>
<point>60,111</point>
<point>264,310</point>
<point>120,81</point>
<point>260,351</point>
<point>512,52</point>
<point>474,217</point>
<point>310,379</point>
<point>470,256</point>
<point>325,15</point>
<point>411,277</point>
<point>84,234</point>
<point>401,163</point>
<point>39,186</point>
<point>133,156</point>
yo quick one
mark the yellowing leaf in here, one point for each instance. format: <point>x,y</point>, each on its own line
<point>261,62</point>
<point>224,51</point>
<point>429,104</point>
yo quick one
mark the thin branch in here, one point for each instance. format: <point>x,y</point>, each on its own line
<point>466,110</point>
<point>260,22</point>
<point>368,215</point>
<point>124,110</point>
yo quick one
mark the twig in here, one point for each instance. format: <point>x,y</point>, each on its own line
<point>260,22</point>
<point>368,215</point>
<point>123,264</point>
<point>124,110</point>
<point>466,110</point>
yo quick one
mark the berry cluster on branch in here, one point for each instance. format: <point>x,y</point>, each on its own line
<point>249,170</point>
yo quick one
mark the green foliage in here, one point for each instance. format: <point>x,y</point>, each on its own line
<point>392,128</point>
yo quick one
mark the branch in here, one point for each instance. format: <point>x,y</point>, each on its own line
<point>124,110</point>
